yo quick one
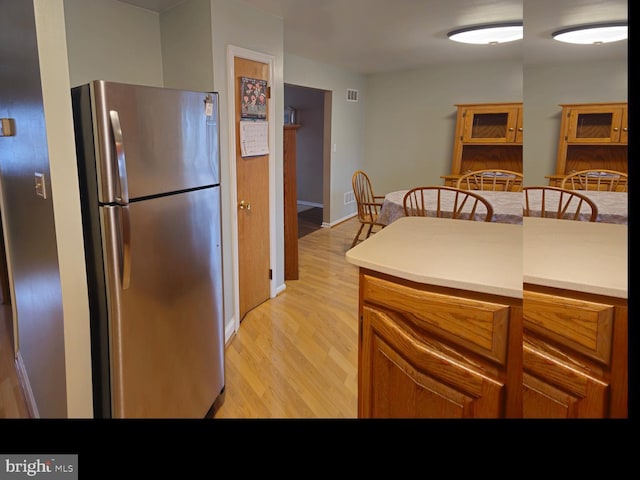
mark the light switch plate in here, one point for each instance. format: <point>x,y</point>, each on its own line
<point>41,190</point>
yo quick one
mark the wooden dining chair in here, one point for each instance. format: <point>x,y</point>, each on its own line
<point>369,205</point>
<point>494,179</point>
<point>596,179</point>
<point>555,202</point>
<point>447,202</point>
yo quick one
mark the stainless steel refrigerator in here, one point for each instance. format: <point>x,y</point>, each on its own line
<point>149,173</point>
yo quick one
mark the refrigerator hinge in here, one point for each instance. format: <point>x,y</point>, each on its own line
<point>270,274</point>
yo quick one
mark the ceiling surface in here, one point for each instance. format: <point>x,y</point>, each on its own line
<point>372,36</point>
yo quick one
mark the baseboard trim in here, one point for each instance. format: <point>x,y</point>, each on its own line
<point>229,331</point>
<point>310,204</point>
<point>280,289</point>
<point>343,219</point>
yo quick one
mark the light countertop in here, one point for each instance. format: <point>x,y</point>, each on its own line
<point>588,257</point>
<point>477,256</point>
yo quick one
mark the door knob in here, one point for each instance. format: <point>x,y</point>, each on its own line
<point>244,205</point>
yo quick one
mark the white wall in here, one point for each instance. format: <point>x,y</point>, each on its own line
<point>414,133</point>
<point>111,40</point>
<point>411,118</point>
<point>548,86</point>
<point>56,96</point>
<point>347,123</point>
<point>187,50</point>
<point>236,24</point>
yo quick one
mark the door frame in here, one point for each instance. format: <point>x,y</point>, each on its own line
<point>232,52</point>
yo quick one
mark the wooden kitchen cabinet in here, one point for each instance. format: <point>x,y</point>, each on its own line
<point>595,123</point>
<point>486,136</point>
<point>592,135</point>
<point>574,354</point>
<point>433,352</point>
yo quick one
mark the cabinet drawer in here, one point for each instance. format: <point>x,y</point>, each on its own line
<point>582,325</point>
<point>481,326</point>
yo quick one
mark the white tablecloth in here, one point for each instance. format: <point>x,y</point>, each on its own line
<point>612,206</point>
<point>507,206</point>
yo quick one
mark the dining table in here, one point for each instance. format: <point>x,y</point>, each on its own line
<point>508,206</point>
<point>612,206</point>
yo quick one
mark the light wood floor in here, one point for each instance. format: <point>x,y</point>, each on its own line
<point>294,356</point>
<point>12,402</point>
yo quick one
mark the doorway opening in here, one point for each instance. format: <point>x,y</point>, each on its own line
<point>313,113</point>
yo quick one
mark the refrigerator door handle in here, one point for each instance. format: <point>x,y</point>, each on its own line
<point>125,246</point>
<point>123,190</point>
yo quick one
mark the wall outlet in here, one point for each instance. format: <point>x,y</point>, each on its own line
<point>349,197</point>
<point>41,189</point>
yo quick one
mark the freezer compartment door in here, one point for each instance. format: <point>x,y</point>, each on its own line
<point>166,333</point>
<point>152,140</point>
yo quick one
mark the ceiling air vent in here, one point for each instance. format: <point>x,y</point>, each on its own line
<point>352,95</point>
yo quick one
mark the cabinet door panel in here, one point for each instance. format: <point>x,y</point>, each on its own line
<point>425,380</point>
<point>598,125</point>
<point>624,127</point>
<point>424,396</point>
<point>542,400</point>
<point>490,125</point>
<point>592,136</point>
<point>519,127</point>
<point>554,389</point>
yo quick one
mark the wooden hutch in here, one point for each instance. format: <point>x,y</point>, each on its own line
<point>592,135</point>
<point>488,135</point>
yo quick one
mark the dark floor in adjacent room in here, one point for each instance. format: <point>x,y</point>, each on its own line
<point>309,220</point>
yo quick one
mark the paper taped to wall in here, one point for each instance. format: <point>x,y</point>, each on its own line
<point>254,138</point>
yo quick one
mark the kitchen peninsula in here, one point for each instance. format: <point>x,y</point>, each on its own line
<point>440,320</point>
<point>575,288</point>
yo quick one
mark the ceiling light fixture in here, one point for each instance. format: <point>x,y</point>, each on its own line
<point>595,34</point>
<point>490,34</point>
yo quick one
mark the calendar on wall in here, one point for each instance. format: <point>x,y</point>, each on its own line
<point>254,138</point>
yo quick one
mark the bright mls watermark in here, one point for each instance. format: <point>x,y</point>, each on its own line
<point>50,467</point>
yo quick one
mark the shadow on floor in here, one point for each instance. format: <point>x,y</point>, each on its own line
<point>309,220</point>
